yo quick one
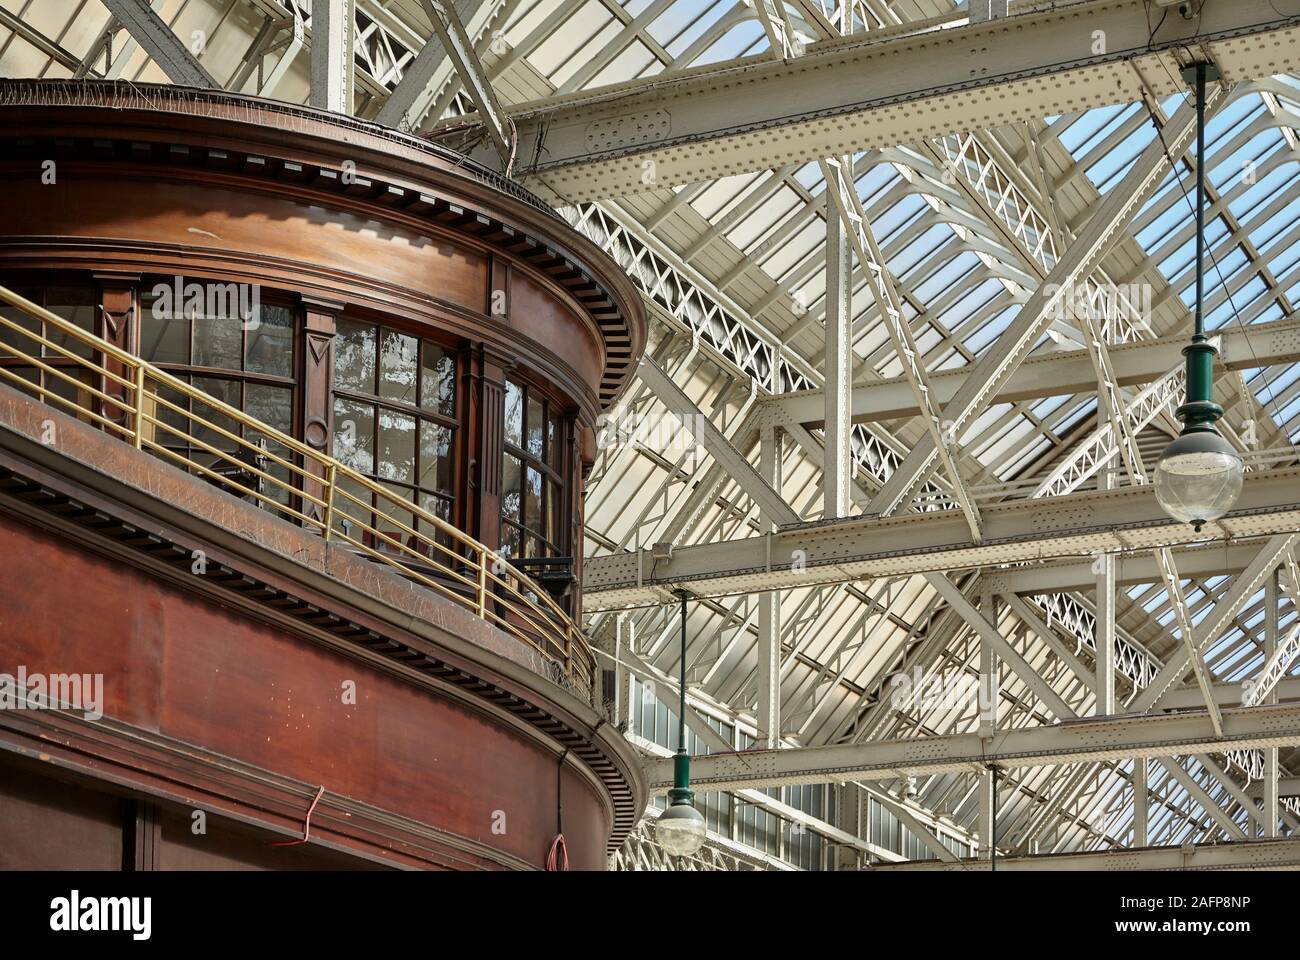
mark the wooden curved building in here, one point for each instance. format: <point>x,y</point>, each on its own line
<point>295,417</point>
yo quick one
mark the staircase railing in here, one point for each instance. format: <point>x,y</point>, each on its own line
<point>99,383</point>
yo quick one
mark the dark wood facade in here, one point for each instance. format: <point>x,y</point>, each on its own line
<point>452,756</point>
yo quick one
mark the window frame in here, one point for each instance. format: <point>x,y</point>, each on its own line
<point>242,378</point>
<point>411,490</point>
<point>38,293</point>
<point>555,476</point>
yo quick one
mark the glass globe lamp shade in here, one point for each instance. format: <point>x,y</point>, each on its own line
<point>1198,477</point>
<point>681,830</point>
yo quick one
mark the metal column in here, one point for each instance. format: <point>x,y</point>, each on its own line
<point>332,64</point>
<point>1272,598</point>
<point>769,609</point>
<point>839,368</point>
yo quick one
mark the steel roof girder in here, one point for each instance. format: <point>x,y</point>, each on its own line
<point>1072,742</point>
<point>1125,519</point>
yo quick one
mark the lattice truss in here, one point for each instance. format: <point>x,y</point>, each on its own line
<point>967,227</point>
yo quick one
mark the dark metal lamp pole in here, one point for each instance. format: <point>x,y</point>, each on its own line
<point>681,829</point>
<point>1199,475</point>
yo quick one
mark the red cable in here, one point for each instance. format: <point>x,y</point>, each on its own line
<point>558,857</point>
<point>306,826</point>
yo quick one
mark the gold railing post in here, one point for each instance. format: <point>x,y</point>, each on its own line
<point>482,582</point>
<point>139,407</point>
<point>329,500</point>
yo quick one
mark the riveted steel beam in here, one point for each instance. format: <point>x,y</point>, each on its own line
<point>1090,740</point>
<point>1048,528</point>
<point>881,88</point>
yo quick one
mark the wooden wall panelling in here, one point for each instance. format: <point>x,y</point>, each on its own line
<point>118,323</point>
<point>316,406</point>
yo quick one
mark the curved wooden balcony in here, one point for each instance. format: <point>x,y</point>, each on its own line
<point>156,412</point>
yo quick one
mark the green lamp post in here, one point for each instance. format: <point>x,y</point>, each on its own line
<point>1199,476</point>
<point>681,829</point>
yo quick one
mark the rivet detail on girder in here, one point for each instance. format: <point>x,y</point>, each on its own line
<point>628,130</point>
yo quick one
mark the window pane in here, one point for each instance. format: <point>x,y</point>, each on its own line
<point>554,510</point>
<point>440,507</point>
<point>271,405</point>
<point>435,457</point>
<point>535,414</point>
<point>397,366</point>
<point>78,305</point>
<point>438,380</point>
<point>164,335</point>
<point>270,343</point>
<point>510,482</point>
<point>20,340</point>
<point>72,392</point>
<point>354,357</point>
<point>395,520</point>
<point>218,342</point>
<point>170,417</point>
<point>354,435</point>
<point>509,541</point>
<point>553,442</point>
<point>514,414</point>
<point>226,391</point>
<point>29,374</point>
<point>349,515</point>
<point>533,501</point>
<point>396,446</point>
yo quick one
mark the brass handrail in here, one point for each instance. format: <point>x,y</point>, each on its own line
<point>147,406</point>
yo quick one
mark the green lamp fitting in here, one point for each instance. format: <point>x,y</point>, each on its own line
<point>681,791</point>
<point>1199,412</point>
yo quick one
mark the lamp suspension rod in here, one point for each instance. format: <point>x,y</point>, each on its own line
<point>681,791</point>
<point>1200,202</point>
<point>681,713</point>
<point>993,821</point>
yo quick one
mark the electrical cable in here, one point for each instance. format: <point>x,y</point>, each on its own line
<point>1152,31</point>
<point>1174,170</point>
<point>557,858</point>
<point>306,826</point>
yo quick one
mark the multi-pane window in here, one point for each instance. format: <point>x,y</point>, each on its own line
<point>78,305</point>
<point>242,357</point>
<point>532,488</point>
<point>803,847</point>
<point>886,831</point>
<point>395,418</point>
